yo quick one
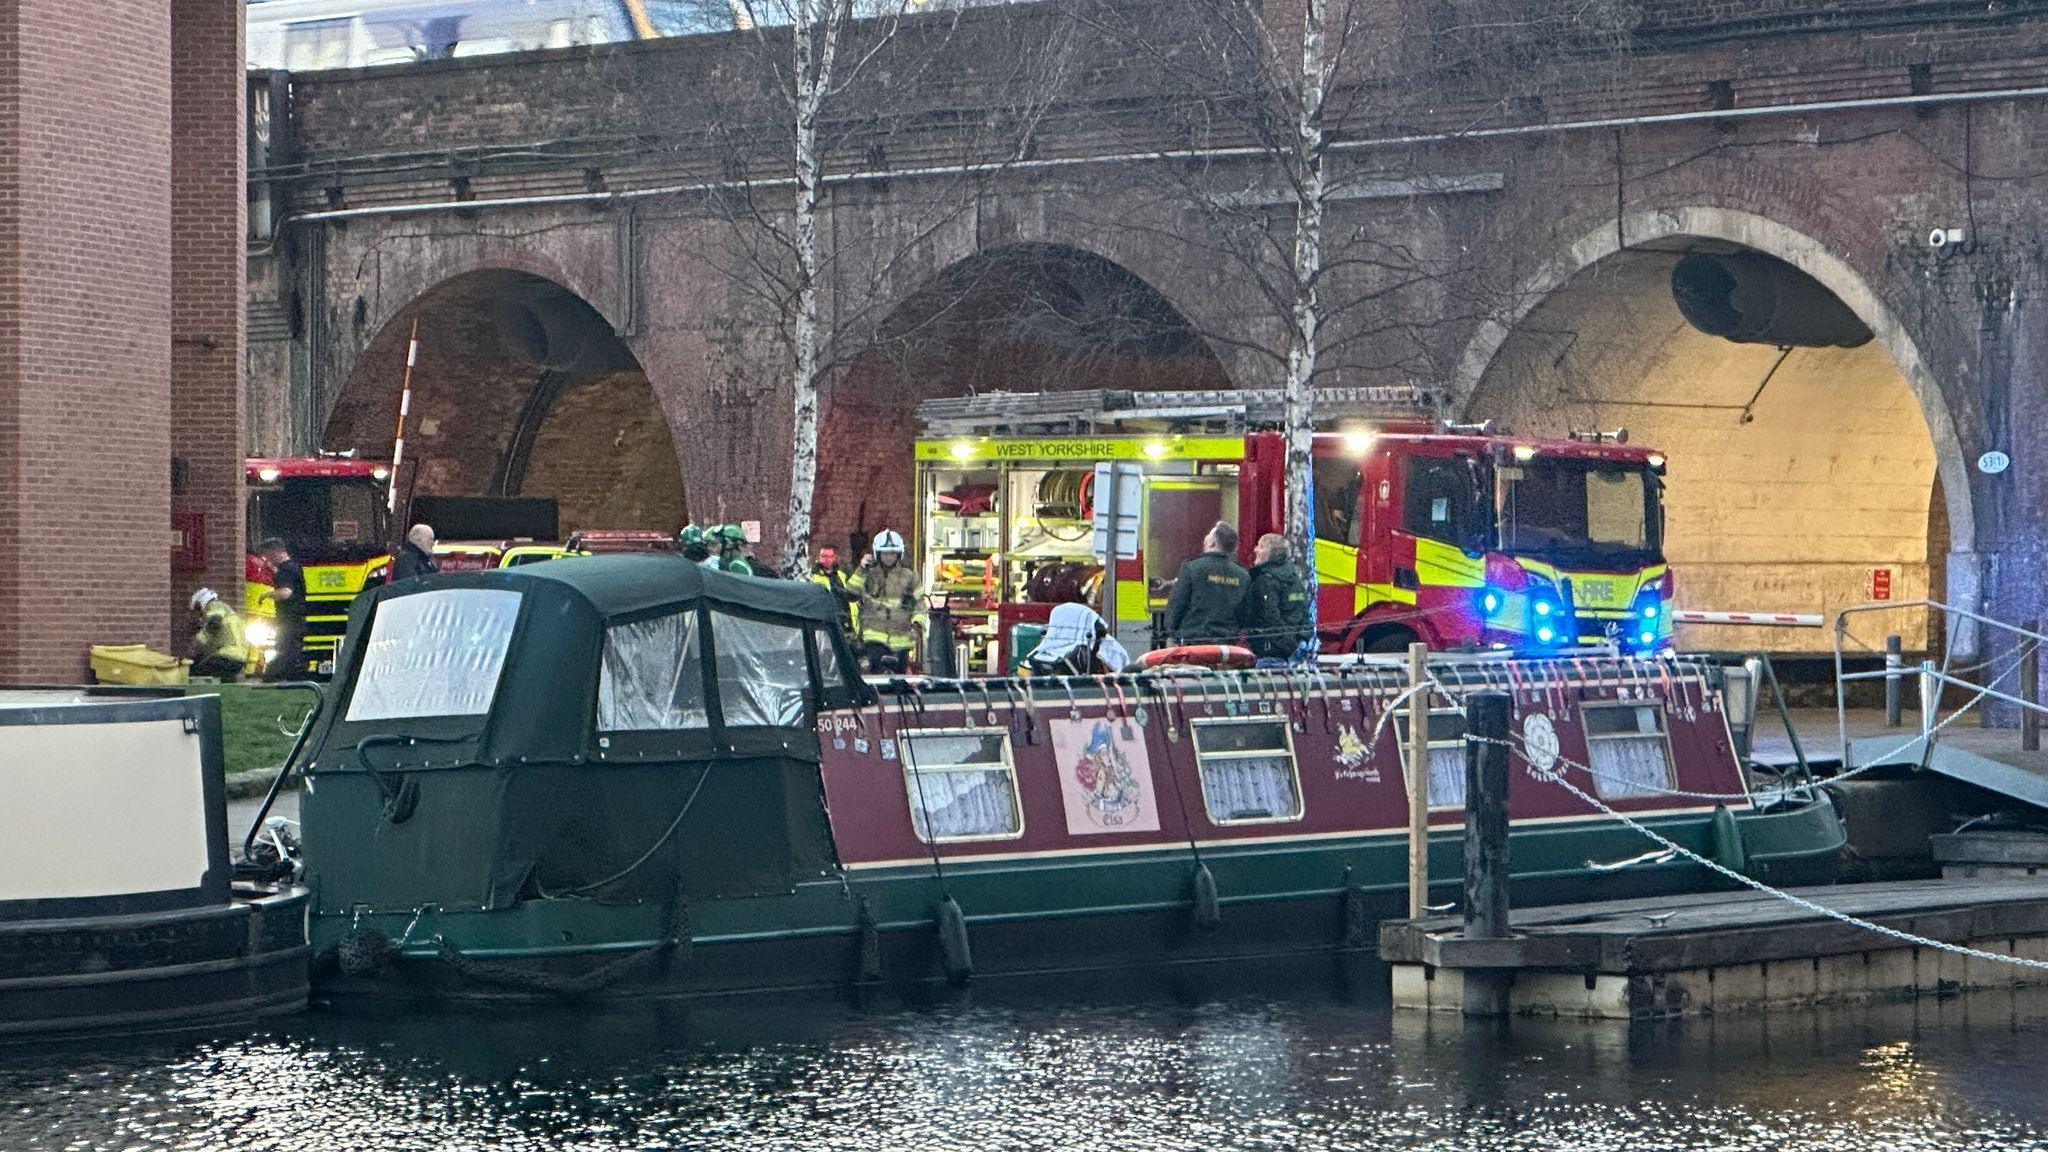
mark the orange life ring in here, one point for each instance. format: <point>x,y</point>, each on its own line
<point>1202,655</point>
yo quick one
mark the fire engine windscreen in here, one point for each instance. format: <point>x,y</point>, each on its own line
<point>1581,512</point>
<point>323,520</point>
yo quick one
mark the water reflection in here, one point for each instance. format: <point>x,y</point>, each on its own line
<point>1271,1061</point>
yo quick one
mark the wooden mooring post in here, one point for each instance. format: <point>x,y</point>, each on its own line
<point>1486,815</point>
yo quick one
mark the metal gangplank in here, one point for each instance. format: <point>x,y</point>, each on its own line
<point>1956,741</point>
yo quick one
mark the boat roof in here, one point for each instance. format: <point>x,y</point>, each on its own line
<point>535,671</point>
<point>628,584</point>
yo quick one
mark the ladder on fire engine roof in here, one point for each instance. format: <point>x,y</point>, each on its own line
<point>1108,410</point>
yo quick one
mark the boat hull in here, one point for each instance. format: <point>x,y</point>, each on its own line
<point>886,926</point>
<point>219,965</point>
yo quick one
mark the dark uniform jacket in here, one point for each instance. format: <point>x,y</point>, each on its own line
<point>1276,615</point>
<point>1207,601</point>
<point>413,560</point>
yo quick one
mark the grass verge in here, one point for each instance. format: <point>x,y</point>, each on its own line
<point>257,724</point>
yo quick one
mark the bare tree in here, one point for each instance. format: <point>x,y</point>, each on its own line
<point>819,93</point>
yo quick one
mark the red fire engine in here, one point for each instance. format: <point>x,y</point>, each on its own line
<point>1457,536</point>
<point>330,512</point>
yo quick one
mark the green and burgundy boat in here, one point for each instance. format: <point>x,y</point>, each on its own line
<point>631,776</point>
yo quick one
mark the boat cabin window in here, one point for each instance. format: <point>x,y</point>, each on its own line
<point>1247,770</point>
<point>1628,750</point>
<point>763,672</point>
<point>434,653</point>
<point>653,676</point>
<point>961,784</point>
<point>1446,755</point>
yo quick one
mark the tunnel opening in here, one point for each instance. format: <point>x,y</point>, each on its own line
<point>520,389</point>
<point>1802,471</point>
<point>1027,317</point>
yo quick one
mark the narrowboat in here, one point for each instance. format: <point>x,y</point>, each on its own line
<point>119,912</point>
<point>630,776</point>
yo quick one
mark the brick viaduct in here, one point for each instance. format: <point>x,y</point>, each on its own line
<point>561,227</point>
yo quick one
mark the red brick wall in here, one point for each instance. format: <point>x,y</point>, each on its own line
<point>85,331</point>
<point>207,211</point>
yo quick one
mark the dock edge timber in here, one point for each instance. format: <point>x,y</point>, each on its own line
<point>1726,952</point>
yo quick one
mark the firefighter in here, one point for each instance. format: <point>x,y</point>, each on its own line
<point>889,612</point>
<point>288,595</point>
<point>732,552</point>
<point>220,648</point>
<point>1208,594</point>
<point>696,546</point>
<point>1276,615</point>
<point>827,574</point>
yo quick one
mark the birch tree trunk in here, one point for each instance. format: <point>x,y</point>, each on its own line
<point>814,37</point>
<point>1308,263</point>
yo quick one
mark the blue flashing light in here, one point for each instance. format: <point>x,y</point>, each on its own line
<point>1650,610</point>
<point>1545,607</point>
<point>1546,634</point>
<point>1489,601</point>
<point>1648,638</point>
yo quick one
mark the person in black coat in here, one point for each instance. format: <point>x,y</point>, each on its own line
<point>416,555</point>
<point>1208,595</point>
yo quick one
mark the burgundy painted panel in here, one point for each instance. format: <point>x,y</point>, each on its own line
<point>1350,780</point>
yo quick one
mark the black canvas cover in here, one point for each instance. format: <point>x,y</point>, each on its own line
<point>482,745</point>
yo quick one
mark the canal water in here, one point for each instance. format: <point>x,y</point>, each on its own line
<point>1272,1059</point>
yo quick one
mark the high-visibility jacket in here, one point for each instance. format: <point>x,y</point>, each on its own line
<point>889,608</point>
<point>221,634</point>
<point>834,581</point>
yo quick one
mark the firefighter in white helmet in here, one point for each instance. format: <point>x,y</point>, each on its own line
<point>890,613</point>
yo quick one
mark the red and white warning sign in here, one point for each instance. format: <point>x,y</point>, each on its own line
<point>1880,583</point>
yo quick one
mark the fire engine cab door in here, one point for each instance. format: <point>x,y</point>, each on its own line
<point>1179,511</point>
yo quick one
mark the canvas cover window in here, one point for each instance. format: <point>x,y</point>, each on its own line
<point>434,653</point>
<point>653,676</point>
<point>1446,755</point>
<point>961,785</point>
<point>763,672</point>
<point>1247,770</point>
<point>1627,750</point>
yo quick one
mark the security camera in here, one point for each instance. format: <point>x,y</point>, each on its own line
<point>1942,237</point>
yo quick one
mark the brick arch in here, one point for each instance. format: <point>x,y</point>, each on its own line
<point>521,387</point>
<point>1782,499</point>
<point>1772,238</point>
<point>990,321</point>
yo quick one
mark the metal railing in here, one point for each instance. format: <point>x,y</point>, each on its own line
<point>1933,678</point>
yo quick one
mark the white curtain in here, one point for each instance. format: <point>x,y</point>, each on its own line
<point>1626,749</point>
<point>653,676</point>
<point>1447,777</point>
<point>1252,788</point>
<point>434,654</point>
<point>1629,765</point>
<point>962,802</point>
<point>963,780</point>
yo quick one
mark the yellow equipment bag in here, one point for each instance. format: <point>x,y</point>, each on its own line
<point>136,664</point>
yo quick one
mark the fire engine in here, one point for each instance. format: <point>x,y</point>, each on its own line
<point>330,512</point>
<point>1459,536</point>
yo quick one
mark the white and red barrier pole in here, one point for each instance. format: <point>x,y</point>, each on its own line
<point>412,354</point>
<point>1760,619</point>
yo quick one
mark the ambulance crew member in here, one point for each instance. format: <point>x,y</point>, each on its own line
<point>1208,595</point>
<point>1276,616</point>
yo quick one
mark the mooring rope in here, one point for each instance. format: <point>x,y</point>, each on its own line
<point>1552,775</point>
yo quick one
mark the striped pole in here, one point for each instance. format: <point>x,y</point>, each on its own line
<point>412,354</point>
<point>1769,619</point>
